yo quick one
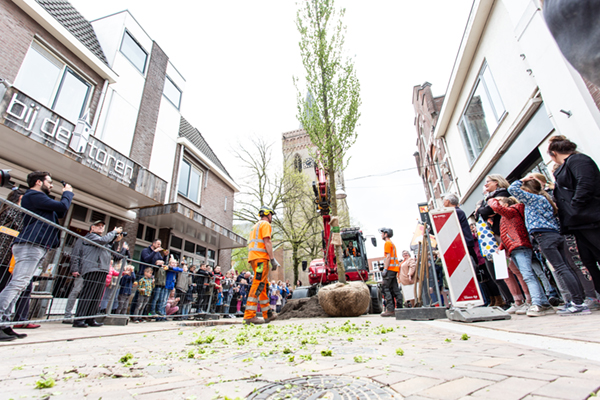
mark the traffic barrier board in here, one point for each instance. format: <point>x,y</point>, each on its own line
<point>460,273</point>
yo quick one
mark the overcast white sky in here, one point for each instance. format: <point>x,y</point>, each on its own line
<point>239,57</point>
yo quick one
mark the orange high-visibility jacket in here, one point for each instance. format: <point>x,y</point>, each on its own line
<point>390,248</point>
<point>256,244</point>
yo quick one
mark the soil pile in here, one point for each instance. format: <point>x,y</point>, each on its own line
<point>307,307</point>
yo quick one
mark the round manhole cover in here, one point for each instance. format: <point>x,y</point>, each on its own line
<point>326,388</point>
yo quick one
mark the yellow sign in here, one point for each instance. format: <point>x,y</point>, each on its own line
<point>424,209</point>
<point>9,231</point>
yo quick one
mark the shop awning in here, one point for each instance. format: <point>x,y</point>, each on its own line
<point>35,138</point>
<point>191,223</point>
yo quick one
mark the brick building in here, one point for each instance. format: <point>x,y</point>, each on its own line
<point>97,104</point>
<point>433,162</point>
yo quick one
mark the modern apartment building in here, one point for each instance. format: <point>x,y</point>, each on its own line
<point>97,104</point>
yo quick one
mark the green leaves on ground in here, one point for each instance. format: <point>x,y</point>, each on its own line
<point>45,383</point>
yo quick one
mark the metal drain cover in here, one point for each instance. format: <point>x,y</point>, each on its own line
<point>325,388</point>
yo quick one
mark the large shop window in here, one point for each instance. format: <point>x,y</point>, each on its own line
<point>172,92</point>
<point>482,115</point>
<point>134,52</point>
<point>190,181</point>
<point>52,83</point>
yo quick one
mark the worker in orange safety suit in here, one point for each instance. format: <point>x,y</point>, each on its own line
<point>391,291</point>
<point>260,253</point>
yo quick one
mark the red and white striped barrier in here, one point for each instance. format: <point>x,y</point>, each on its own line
<point>461,278</point>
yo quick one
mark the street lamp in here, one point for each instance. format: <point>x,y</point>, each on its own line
<point>340,194</point>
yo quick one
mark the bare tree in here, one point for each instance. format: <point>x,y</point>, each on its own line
<point>286,191</point>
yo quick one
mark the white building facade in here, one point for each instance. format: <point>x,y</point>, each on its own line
<point>509,91</point>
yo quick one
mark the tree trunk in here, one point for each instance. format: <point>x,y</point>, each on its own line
<point>341,271</point>
<point>295,261</point>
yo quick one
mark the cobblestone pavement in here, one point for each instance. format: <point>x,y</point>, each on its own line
<point>365,357</point>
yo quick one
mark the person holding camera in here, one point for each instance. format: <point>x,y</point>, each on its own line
<point>92,263</point>
<point>33,243</point>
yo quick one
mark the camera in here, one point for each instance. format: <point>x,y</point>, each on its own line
<point>63,183</point>
<point>5,178</point>
<point>124,234</point>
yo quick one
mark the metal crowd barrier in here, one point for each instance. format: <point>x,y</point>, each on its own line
<point>54,294</point>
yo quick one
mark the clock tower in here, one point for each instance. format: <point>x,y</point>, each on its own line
<point>299,152</point>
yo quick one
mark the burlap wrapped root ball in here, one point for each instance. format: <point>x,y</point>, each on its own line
<point>345,300</point>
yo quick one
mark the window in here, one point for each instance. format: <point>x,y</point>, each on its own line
<point>79,212</point>
<point>298,163</point>
<point>132,50</point>
<point>150,234</point>
<point>201,251</point>
<point>482,115</point>
<point>52,83</point>
<point>211,257</point>
<point>172,92</point>
<point>140,232</point>
<point>176,242</point>
<point>190,247</point>
<point>190,179</point>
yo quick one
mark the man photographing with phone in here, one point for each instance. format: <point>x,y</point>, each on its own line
<point>33,243</point>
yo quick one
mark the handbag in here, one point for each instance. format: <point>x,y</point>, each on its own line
<point>487,242</point>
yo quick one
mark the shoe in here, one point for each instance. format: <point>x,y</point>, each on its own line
<point>523,309</point>
<point>9,331</point>
<point>254,321</point>
<point>591,303</point>
<point>6,338</point>
<point>79,324</point>
<point>388,314</point>
<point>574,309</point>
<point>92,322</point>
<point>68,321</point>
<point>514,307</point>
<point>136,321</point>
<point>554,301</point>
<point>270,317</point>
<point>27,326</point>
<point>539,311</point>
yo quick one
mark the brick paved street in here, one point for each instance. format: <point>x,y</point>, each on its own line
<point>523,358</point>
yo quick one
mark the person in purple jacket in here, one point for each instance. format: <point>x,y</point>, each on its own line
<point>33,242</point>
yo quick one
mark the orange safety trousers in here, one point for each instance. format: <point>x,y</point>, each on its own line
<point>258,291</point>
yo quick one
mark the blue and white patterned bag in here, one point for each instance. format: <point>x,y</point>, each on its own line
<point>487,242</point>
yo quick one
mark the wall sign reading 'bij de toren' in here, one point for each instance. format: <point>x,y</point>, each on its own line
<point>28,117</point>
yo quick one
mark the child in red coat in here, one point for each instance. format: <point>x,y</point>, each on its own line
<point>515,239</point>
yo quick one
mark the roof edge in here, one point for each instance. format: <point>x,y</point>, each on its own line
<point>55,28</point>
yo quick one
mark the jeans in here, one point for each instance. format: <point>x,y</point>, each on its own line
<point>522,257</point>
<point>27,259</point>
<point>552,245</point>
<point>391,291</point>
<point>77,286</point>
<point>141,304</point>
<point>157,295</point>
<point>548,288</point>
<point>162,308</point>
